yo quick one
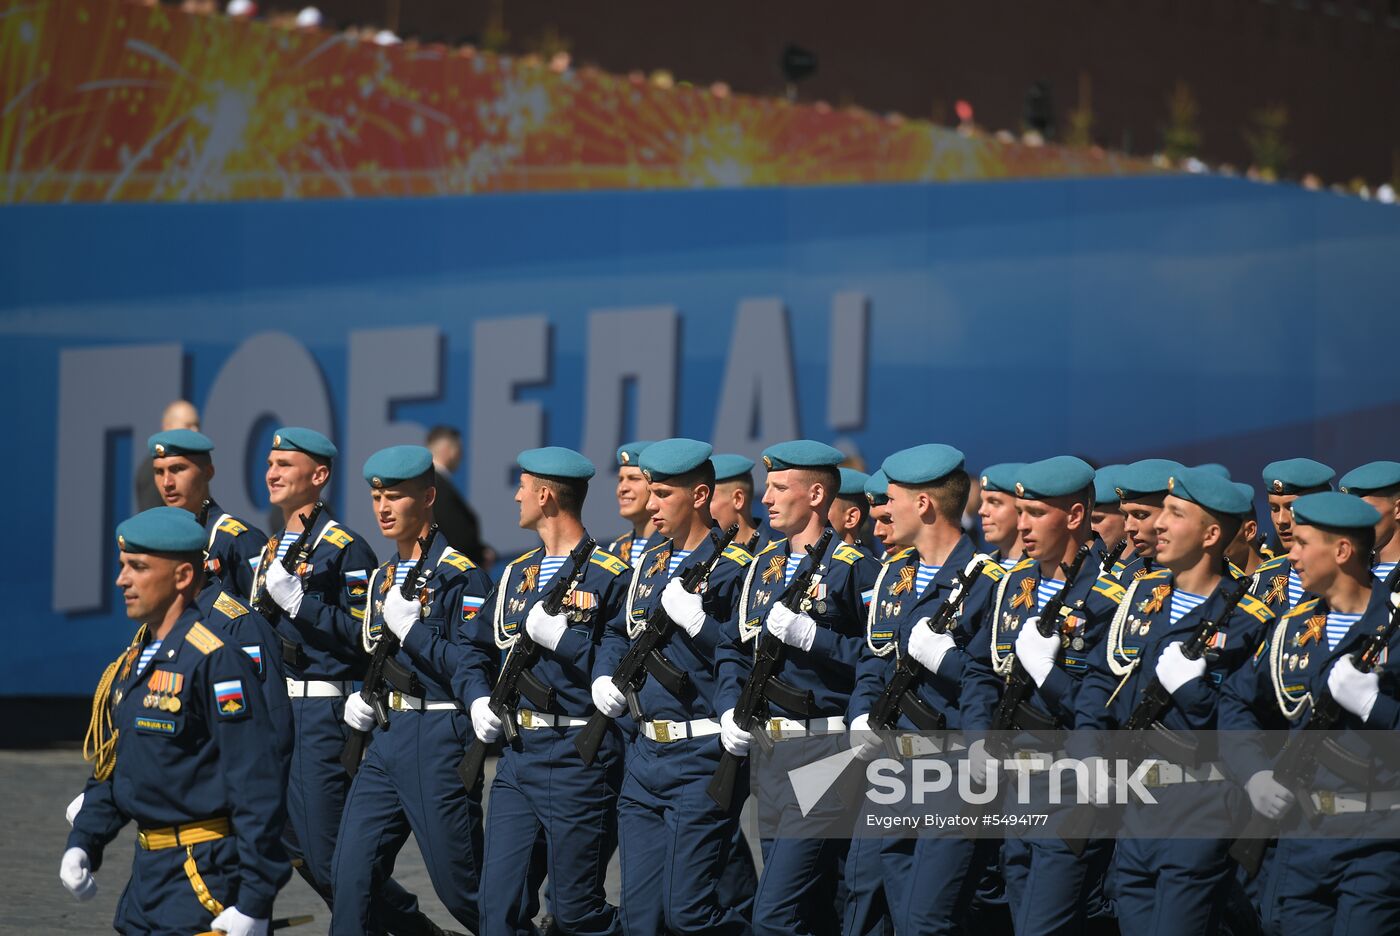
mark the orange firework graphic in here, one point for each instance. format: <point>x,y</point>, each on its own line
<point>103,101</point>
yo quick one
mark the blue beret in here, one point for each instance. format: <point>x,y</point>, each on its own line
<point>555,461</point>
<point>1295,475</point>
<point>297,439</point>
<point>1148,476</point>
<point>670,457</point>
<point>801,453</point>
<point>852,484</point>
<point>1247,492</point>
<point>1001,477</point>
<point>1376,476</point>
<point>1334,509</point>
<point>877,488</point>
<point>1054,477</point>
<point>1209,490</point>
<point>1218,469</point>
<point>922,464</point>
<point>396,464</point>
<point>630,454</point>
<point>162,530</point>
<point>1106,484</point>
<point>178,442</point>
<point>730,466</point>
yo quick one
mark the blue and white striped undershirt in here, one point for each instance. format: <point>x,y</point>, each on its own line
<point>639,548</point>
<point>1338,624</point>
<point>1382,570</point>
<point>1008,562</point>
<point>924,577</point>
<point>150,650</point>
<point>1295,588</point>
<point>1183,603</point>
<point>677,557</point>
<point>402,568</point>
<point>549,565</point>
<point>284,544</point>
<point>1046,589</point>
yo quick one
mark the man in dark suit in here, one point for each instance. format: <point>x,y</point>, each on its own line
<point>455,517</point>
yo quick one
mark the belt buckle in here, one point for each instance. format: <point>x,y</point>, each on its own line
<point>396,700</point>
<point>1326,802</point>
<point>527,718</point>
<point>775,728</point>
<point>906,745</point>
<point>1153,777</point>
<point>662,729</point>
<point>143,840</point>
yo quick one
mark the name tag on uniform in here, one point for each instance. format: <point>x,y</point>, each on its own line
<point>156,725</point>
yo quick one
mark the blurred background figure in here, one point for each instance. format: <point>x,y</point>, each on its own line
<point>178,415</point>
<point>455,517</point>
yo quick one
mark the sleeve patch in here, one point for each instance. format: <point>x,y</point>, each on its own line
<point>1110,589</point>
<point>458,561</point>
<point>471,606</point>
<point>1255,608</point>
<point>255,654</point>
<point>232,527</point>
<point>228,606</point>
<point>203,639</point>
<point>736,553</point>
<point>338,538</point>
<point>357,583</point>
<point>847,553</point>
<point>867,596</point>
<point>357,613</point>
<point>228,698</point>
<point>608,562</point>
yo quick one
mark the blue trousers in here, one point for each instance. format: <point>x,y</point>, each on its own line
<point>543,795</point>
<point>159,898</point>
<point>674,840</point>
<point>315,800</point>
<point>1050,889</point>
<point>1166,886</point>
<point>797,875</point>
<point>408,782</point>
<point>1333,886</point>
<point>867,910</point>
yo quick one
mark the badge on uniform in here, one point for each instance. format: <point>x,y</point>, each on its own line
<point>1153,603</point>
<point>425,602</point>
<point>1278,588</point>
<point>357,583</point>
<point>1316,627</point>
<point>212,566</point>
<point>228,698</point>
<point>1026,597</point>
<point>581,606</point>
<point>528,578</point>
<point>471,606</point>
<point>776,565</point>
<point>162,691</point>
<point>254,652</point>
<point>156,725</point>
<point>905,583</point>
<point>663,559</point>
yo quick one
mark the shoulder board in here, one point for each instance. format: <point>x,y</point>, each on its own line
<point>608,562</point>
<point>1160,573</point>
<point>1255,608</point>
<point>233,527</point>
<point>228,606</point>
<point>772,545</point>
<point>458,561</point>
<point>203,639</point>
<point>1023,564</point>
<point>1110,589</point>
<point>993,571</point>
<point>1272,564</point>
<point>338,538</point>
<point>736,553</point>
<point>847,553</point>
<point>525,555</point>
<point>1303,608</point>
<point>895,557</point>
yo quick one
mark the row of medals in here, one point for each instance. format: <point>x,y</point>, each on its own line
<point>161,700</point>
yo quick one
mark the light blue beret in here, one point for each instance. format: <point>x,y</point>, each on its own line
<point>1247,492</point>
<point>1145,477</point>
<point>852,484</point>
<point>801,453</point>
<point>555,461</point>
<point>1374,476</point>
<point>1218,469</point>
<point>1106,485</point>
<point>730,466</point>
<point>396,464</point>
<point>630,454</point>
<point>1209,490</point>
<point>922,464</point>
<point>1001,477</point>
<point>877,488</point>
<point>670,457</point>
<point>162,530</point>
<point>1058,476</point>
<point>1296,475</point>
<point>1335,509</point>
<point>297,439</point>
<point>178,442</point>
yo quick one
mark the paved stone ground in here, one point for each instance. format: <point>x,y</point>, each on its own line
<point>36,787</point>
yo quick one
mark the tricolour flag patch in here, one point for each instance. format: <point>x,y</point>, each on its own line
<point>867,596</point>
<point>228,698</point>
<point>254,652</point>
<point>471,605</point>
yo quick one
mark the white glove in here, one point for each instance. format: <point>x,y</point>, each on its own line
<point>1175,671</point>
<point>358,713</point>
<point>485,723</point>
<point>1270,798</point>
<point>545,629</point>
<point>683,607</point>
<point>1099,792</point>
<point>238,924</point>
<point>74,808</point>
<point>981,763</point>
<point>400,613</point>
<point>928,647</point>
<point>735,739</point>
<point>607,698</point>
<point>1036,653</point>
<point>1354,690</point>
<point>286,589</point>
<point>865,741</point>
<point>75,872</point>
<point>795,630</point>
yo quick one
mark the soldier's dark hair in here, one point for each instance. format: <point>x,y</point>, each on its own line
<point>1363,539</point>
<point>744,481</point>
<point>949,493</point>
<point>569,492</point>
<point>860,502</point>
<point>828,478</point>
<point>703,474</point>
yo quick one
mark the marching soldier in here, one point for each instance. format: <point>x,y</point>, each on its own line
<point>850,509</point>
<point>1107,519</point>
<point>183,468</point>
<point>998,512</point>
<point>1275,581</point>
<point>876,492</point>
<point>632,505</point>
<point>1339,878</point>
<point>544,799</point>
<point>1051,889</point>
<point>674,840</point>
<point>1243,551</point>
<point>1141,488</point>
<point>1177,885</point>
<point>408,779</point>
<point>822,649</point>
<point>319,613</point>
<point>1378,484</point>
<point>184,746</point>
<point>733,500</point>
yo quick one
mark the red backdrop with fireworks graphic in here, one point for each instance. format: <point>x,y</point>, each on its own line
<point>106,101</point>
